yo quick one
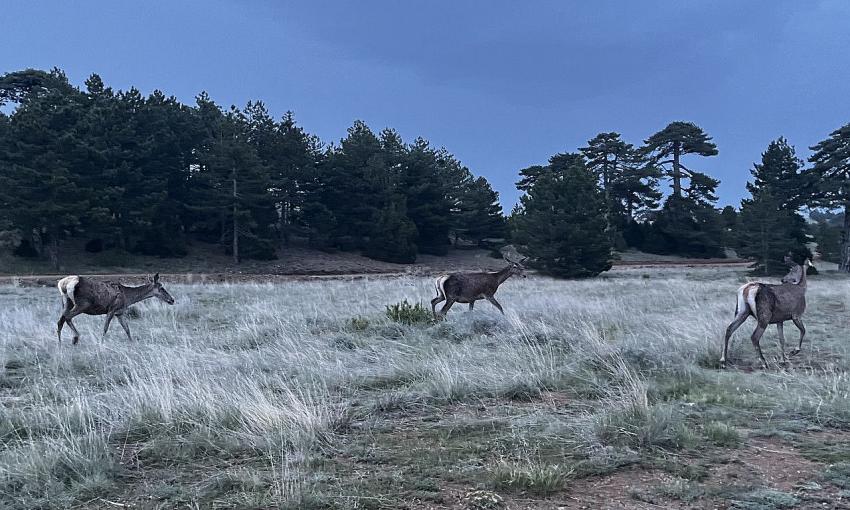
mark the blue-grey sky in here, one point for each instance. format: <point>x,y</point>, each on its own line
<point>501,84</point>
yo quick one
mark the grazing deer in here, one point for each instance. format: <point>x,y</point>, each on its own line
<point>92,297</point>
<point>470,287</point>
<point>771,304</point>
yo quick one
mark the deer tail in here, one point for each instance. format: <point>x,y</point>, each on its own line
<point>67,286</point>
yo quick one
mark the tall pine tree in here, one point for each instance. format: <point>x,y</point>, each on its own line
<point>831,160</point>
<point>562,220</point>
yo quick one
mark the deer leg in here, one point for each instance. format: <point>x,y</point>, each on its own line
<point>109,317</point>
<point>59,326</point>
<point>495,303</point>
<point>781,329</point>
<point>799,324</point>
<point>740,319</point>
<point>123,322</point>
<point>74,329</point>
<point>434,302</point>
<point>755,339</point>
<point>445,309</point>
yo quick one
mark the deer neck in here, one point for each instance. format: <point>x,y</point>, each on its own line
<point>133,295</point>
<point>503,275</point>
<point>802,282</point>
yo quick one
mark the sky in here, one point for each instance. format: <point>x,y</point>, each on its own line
<point>501,84</point>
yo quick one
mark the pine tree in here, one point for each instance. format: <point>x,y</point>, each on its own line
<point>827,234</point>
<point>231,187</point>
<point>350,178</point>
<point>766,233</point>
<point>687,224</point>
<point>666,148</point>
<point>40,196</point>
<point>831,160</point>
<point>562,222</point>
<point>394,235</point>
<point>480,213</point>
<point>772,210</point>
<point>629,185</point>
<point>427,202</point>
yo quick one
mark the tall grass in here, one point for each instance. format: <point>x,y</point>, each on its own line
<point>274,375</point>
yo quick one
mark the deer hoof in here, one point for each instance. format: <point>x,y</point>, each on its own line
<point>723,364</point>
<point>76,340</point>
<point>794,352</point>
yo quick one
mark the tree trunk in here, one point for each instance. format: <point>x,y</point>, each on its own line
<point>235,222</point>
<point>844,265</point>
<point>677,171</point>
<point>53,252</point>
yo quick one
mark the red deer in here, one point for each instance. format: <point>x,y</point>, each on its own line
<point>92,297</point>
<point>771,304</point>
<point>470,287</point>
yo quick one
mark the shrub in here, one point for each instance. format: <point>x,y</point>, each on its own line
<point>534,477</point>
<point>358,324</point>
<point>482,500</point>
<point>722,434</point>
<point>406,313</point>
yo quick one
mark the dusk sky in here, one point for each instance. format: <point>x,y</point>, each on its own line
<point>502,85</point>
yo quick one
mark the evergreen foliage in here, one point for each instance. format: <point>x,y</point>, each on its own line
<point>116,169</point>
<point>830,186</point>
<point>771,225</point>
<point>562,221</point>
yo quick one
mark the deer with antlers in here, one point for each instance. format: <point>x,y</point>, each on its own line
<point>471,287</point>
<point>93,297</point>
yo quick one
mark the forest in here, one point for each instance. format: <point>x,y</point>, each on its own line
<point>150,175</point>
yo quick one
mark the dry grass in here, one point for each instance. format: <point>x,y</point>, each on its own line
<point>252,393</point>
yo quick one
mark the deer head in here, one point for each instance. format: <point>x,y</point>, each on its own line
<point>516,267</point>
<point>159,292</point>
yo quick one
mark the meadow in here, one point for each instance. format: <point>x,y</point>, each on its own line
<point>602,393</point>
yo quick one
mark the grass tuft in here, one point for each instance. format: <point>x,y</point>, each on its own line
<point>534,477</point>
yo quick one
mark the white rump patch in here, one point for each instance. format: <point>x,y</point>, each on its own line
<point>747,299</point>
<point>440,283</point>
<point>66,287</point>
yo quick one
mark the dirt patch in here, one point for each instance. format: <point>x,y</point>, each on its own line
<point>765,462</point>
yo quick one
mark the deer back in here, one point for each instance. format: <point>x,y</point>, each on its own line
<point>471,285</point>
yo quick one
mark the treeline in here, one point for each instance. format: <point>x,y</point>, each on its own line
<point>607,196</point>
<point>147,174</point>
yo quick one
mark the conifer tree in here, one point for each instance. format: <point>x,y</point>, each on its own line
<point>770,223</point>
<point>831,160</point>
<point>562,220</point>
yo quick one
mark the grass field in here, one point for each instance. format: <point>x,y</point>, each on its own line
<point>588,394</point>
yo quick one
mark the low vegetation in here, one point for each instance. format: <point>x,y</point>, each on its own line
<point>340,394</point>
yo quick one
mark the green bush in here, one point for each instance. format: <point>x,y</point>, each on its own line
<point>722,434</point>
<point>406,313</point>
<point>358,324</point>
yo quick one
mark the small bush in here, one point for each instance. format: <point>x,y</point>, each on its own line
<point>133,313</point>
<point>406,313</point>
<point>358,324</point>
<point>534,477</point>
<point>838,474</point>
<point>722,434</point>
<point>482,500</point>
<point>764,499</point>
<point>638,426</point>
